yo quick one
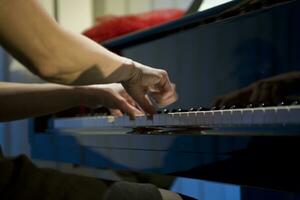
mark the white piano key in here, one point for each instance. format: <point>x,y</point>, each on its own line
<point>163,119</point>
<point>186,118</point>
<point>236,117</point>
<point>258,116</point>
<point>130,122</point>
<point>156,119</point>
<point>282,115</point>
<point>140,121</point>
<point>102,121</point>
<point>167,120</point>
<point>144,121</point>
<point>200,118</point>
<point>150,122</point>
<point>175,119</point>
<point>247,116</point>
<point>118,121</point>
<point>208,118</point>
<point>226,117</point>
<point>122,121</point>
<point>193,118</point>
<point>159,119</point>
<point>270,116</point>
<point>294,115</point>
<point>183,119</point>
<point>217,117</point>
<point>289,115</point>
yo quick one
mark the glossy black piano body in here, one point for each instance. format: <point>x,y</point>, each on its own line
<point>205,61</point>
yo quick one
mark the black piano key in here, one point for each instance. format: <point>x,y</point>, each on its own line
<point>193,109</point>
<point>178,110</point>
<point>233,107</point>
<point>250,105</point>
<point>214,108</point>
<point>294,103</point>
<point>174,110</point>
<point>203,109</point>
<point>223,107</point>
<point>165,111</point>
<point>262,105</point>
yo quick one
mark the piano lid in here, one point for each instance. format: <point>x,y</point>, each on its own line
<point>206,15</point>
<point>251,60</point>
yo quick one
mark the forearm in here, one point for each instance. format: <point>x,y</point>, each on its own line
<point>18,101</point>
<point>27,32</point>
<point>53,53</point>
<point>61,56</point>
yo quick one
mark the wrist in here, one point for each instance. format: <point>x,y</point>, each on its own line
<point>91,95</point>
<point>132,71</point>
<point>80,95</point>
<point>117,69</point>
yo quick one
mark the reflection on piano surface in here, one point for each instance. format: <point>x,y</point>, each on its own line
<point>246,69</point>
<point>271,91</point>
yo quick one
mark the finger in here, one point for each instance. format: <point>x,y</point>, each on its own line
<point>165,86</point>
<point>223,102</point>
<point>145,103</point>
<point>217,101</point>
<point>277,94</point>
<point>116,112</point>
<point>162,102</point>
<point>130,100</point>
<point>125,107</point>
<point>244,96</point>
<point>169,100</point>
<point>254,98</point>
<point>265,94</point>
<point>163,98</point>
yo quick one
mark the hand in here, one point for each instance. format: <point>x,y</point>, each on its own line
<point>145,83</point>
<point>112,96</point>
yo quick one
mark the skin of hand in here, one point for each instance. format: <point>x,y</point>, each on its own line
<point>60,56</point>
<point>112,96</point>
<point>147,82</point>
<point>269,91</point>
<point>19,101</point>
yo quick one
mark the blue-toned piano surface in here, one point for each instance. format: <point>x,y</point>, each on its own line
<point>204,61</point>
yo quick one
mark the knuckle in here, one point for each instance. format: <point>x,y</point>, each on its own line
<point>121,102</point>
<point>164,73</point>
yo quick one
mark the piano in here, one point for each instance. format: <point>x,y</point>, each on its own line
<point>240,62</point>
<point>259,118</point>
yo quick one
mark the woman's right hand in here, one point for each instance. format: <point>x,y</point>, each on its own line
<point>112,96</point>
<point>146,83</point>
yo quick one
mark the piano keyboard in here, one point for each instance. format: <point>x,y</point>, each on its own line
<point>263,116</point>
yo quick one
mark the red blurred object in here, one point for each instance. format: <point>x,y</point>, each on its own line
<point>110,26</point>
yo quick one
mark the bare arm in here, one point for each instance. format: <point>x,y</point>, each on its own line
<point>18,101</point>
<point>49,50</point>
<point>60,56</point>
